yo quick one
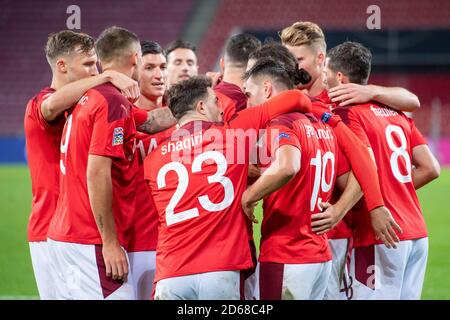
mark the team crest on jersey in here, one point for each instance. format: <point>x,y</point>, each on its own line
<point>118,136</point>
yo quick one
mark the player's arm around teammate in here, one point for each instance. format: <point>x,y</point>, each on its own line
<point>281,171</point>
<point>68,95</point>
<point>153,121</point>
<point>394,97</point>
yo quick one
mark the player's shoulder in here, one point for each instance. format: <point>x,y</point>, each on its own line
<point>290,120</point>
<point>110,93</point>
<point>118,106</point>
<point>41,96</point>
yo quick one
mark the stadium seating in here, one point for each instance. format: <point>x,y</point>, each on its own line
<point>235,15</point>
<point>25,25</point>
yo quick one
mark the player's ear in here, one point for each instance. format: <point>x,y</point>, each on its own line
<point>321,59</point>
<point>201,107</point>
<point>222,64</point>
<point>342,79</point>
<point>134,59</point>
<point>61,65</point>
<point>268,89</point>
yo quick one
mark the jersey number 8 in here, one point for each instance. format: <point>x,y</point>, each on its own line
<point>398,151</point>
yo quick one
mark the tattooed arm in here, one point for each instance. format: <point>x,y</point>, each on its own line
<point>158,120</point>
<point>99,185</point>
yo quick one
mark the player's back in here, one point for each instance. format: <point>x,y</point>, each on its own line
<point>198,193</point>
<point>286,229</point>
<point>100,124</point>
<point>391,135</point>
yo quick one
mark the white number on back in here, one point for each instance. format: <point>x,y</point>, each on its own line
<point>398,151</point>
<point>320,179</point>
<point>183,182</point>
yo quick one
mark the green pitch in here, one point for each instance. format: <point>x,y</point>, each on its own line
<point>16,274</point>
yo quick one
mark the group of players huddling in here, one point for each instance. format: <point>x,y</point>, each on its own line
<point>145,176</point>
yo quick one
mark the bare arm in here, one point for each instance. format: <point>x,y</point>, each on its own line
<point>351,192</point>
<point>325,221</point>
<point>99,185</point>
<point>394,97</point>
<point>158,119</point>
<point>65,97</point>
<point>280,172</point>
<point>427,167</point>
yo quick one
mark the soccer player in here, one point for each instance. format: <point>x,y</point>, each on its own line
<point>90,228</point>
<point>233,66</point>
<point>306,41</point>
<point>405,164</point>
<point>295,262</point>
<point>232,98</point>
<point>144,233</point>
<point>72,59</point>
<point>181,61</point>
<point>197,179</point>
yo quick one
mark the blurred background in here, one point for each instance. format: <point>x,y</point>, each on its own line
<point>411,49</point>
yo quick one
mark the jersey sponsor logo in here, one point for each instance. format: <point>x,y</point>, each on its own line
<point>118,136</point>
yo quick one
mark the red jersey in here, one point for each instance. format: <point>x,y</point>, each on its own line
<point>392,136</point>
<point>100,124</point>
<point>286,235</point>
<point>144,231</point>
<point>322,103</point>
<point>197,179</point>
<point>43,140</point>
<point>235,94</point>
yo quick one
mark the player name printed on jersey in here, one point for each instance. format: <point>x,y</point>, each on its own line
<point>326,134</point>
<point>186,144</point>
<point>181,142</point>
<point>383,112</point>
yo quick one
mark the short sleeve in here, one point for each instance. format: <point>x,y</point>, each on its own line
<point>281,135</point>
<point>417,138</point>
<point>354,124</point>
<point>342,163</point>
<point>55,124</point>
<point>140,116</point>
<point>109,123</point>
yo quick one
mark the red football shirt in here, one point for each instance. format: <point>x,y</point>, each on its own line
<point>197,179</point>
<point>235,94</point>
<point>323,103</point>
<point>43,140</point>
<point>100,124</point>
<point>144,230</point>
<point>392,136</point>
<point>286,235</point>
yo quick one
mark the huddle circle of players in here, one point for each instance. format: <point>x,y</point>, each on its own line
<point>145,176</point>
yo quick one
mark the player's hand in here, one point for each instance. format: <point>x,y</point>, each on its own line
<point>115,261</point>
<point>249,207</point>
<point>253,171</point>
<point>351,93</point>
<point>128,86</point>
<point>216,77</point>
<point>326,220</point>
<point>384,226</point>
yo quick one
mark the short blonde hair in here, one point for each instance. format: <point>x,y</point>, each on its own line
<point>303,33</point>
